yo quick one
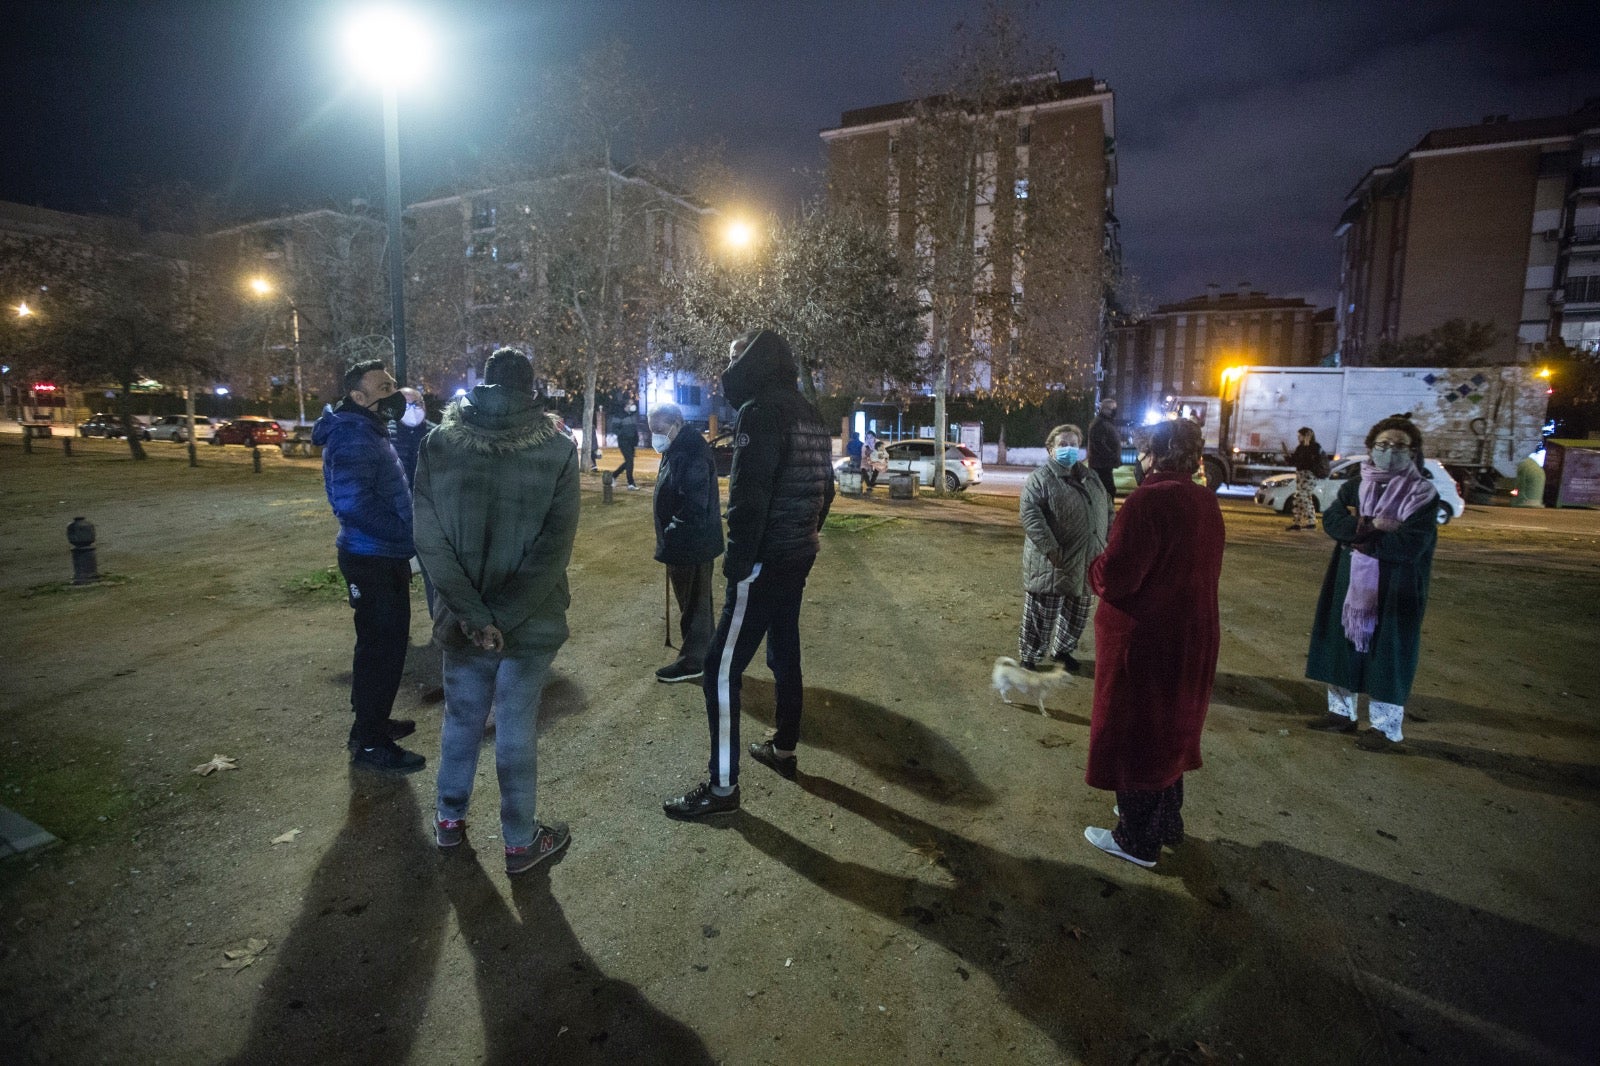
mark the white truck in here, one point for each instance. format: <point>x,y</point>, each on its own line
<point>1479,421</point>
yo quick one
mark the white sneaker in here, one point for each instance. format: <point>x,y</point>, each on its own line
<point>1102,839</point>
<point>633,488</point>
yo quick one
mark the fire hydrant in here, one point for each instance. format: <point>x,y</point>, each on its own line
<point>80,534</point>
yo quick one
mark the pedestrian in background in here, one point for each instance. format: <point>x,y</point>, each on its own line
<point>496,514</point>
<point>688,517</point>
<point>627,443</point>
<point>367,489</point>
<point>1310,463</point>
<point>778,497</point>
<point>853,450</point>
<point>1367,633</point>
<point>874,460</point>
<point>407,432</point>
<point>1157,633</point>
<point>1105,447</point>
<point>1065,512</point>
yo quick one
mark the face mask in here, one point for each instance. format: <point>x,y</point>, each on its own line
<point>659,441</point>
<point>1069,455</point>
<point>1392,461</point>
<point>413,416</point>
<point>391,408</point>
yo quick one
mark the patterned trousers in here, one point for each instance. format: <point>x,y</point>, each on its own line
<point>1147,820</point>
<point>1305,501</point>
<point>1051,624</point>
<point>1386,718</point>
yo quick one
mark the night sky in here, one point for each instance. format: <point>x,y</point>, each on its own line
<point>1240,125</point>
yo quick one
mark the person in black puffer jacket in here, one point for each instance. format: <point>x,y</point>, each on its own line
<point>779,493</point>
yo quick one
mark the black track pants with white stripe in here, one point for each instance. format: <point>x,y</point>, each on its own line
<point>765,604</point>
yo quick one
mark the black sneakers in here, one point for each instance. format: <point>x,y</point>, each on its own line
<point>546,842</point>
<point>397,727</point>
<point>388,758</point>
<point>1333,723</point>
<point>701,801</point>
<point>767,755</point>
<point>1066,660</point>
<point>679,671</point>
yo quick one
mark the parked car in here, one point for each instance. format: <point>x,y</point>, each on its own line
<point>962,466</point>
<point>110,425</point>
<point>249,430</point>
<point>176,428</point>
<point>1277,492</point>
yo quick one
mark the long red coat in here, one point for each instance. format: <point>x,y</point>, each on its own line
<point>1156,635</point>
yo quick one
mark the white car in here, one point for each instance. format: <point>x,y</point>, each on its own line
<point>176,428</point>
<point>1277,492</point>
<point>962,466</point>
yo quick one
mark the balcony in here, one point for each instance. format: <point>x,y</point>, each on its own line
<point>1586,234</point>
<point>1585,290</point>
<point>1586,179</point>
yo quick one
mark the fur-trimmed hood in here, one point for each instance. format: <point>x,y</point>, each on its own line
<point>494,421</point>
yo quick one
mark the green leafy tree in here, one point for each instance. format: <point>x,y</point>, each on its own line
<point>1457,342</point>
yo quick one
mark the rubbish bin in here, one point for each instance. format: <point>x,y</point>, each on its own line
<point>850,482</point>
<point>902,486</point>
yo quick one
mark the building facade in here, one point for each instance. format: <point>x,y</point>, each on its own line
<point>1498,222</point>
<point>1182,348</point>
<point>1037,237</point>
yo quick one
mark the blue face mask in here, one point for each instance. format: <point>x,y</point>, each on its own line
<point>659,441</point>
<point>1069,455</point>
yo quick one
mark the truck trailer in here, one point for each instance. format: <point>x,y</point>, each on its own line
<point>1479,421</point>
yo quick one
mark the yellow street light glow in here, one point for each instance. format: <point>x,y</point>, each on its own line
<point>1544,372</point>
<point>739,234</point>
<point>388,46</point>
<point>1232,374</point>
<point>260,286</point>
<point>23,310</point>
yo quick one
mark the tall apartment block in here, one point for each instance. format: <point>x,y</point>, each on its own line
<point>1182,348</point>
<point>1497,222</point>
<point>1051,150</point>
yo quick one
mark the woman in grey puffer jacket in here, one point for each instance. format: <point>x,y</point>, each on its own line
<point>1064,515</point>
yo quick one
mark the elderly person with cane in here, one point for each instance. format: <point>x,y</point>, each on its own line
<point>1367,633</point>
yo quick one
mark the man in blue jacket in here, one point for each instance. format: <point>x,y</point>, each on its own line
<point>367,488</point>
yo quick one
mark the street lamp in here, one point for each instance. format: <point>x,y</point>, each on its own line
<point>739,235</point>
<point>262,287</point>
<point>391,48</point>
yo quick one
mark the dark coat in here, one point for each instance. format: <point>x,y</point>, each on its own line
<point>1156,635</point>
<point>1310,458</point>
<point>1105,444</point>
<point>366,485</point>
<point>1064,513</point>
<point>626,428</point>
<point>688,502</point>
<point>408,442</point>
<point>781,484</point>
<point>1405,565</point>
<point>497,511</point>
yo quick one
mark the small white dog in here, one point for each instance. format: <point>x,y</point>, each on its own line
<point>1011,676</point>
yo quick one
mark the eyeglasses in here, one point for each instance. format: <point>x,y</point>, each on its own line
<point>1386,447</point>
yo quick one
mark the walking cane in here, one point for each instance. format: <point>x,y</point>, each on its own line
<point>666,614</point>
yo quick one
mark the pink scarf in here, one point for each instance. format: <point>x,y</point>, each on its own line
<point>1385,494</point>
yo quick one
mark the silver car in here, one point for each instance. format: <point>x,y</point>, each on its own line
<point>962,466</point>
<point>1277,492</point>
<point>176,428</point>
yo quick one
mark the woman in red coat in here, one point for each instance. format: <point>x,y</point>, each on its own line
<point>1156,636</point>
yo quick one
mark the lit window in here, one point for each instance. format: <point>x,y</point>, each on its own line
<point>1021,188</point>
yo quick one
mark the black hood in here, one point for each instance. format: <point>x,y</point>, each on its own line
<point>765,363</point>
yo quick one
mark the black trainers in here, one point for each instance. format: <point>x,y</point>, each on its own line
<point>700,801</point>
<point>1373,740</point>
<point>397,727</point>
<point>1333,723</point>
<point>388,758</point>
<point>679,671</point>
<point>767,755</point>
<point>1071,665</point>
<point>546,842</point>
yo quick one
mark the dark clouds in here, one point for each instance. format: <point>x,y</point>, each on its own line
<point>1241,125</point>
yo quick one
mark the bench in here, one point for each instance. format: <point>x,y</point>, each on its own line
<point>299,443</point>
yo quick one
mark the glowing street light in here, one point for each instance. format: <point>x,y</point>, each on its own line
<point>391,48</point>
<point>262,287</point>
<point>739,235</point>
<point>23,310</point>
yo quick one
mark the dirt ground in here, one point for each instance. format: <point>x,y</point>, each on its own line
<point>922,892</point>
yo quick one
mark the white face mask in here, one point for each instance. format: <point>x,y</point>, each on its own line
<point>414,415</point>
<point>659,441</point>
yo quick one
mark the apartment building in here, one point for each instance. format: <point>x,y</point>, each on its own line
<point>1183,348</point>
<point>1041,225</point>
<point>1498,222</point>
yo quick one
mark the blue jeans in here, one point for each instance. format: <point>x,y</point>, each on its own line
<point>474,681</point>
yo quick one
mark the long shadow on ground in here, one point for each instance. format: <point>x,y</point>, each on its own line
<point>1271,953</point>
<point>543,998</point>
<point>897,748</point>
<point>351,980</point>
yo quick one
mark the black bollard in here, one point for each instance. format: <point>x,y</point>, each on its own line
<point>255,458</point>
<point>66,446</point>
<point>27,441</point>
<point>80,534</point>
<point>607,480</point>
<point>192,460</point>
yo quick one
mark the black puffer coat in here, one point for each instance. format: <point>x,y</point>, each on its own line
<point>782,481</point>
<point>688,507</point>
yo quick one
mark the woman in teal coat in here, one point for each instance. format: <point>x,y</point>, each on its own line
<point>1368,631</point>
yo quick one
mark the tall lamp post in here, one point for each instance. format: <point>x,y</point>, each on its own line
<point>390,48</point>
<point>263,287</point>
